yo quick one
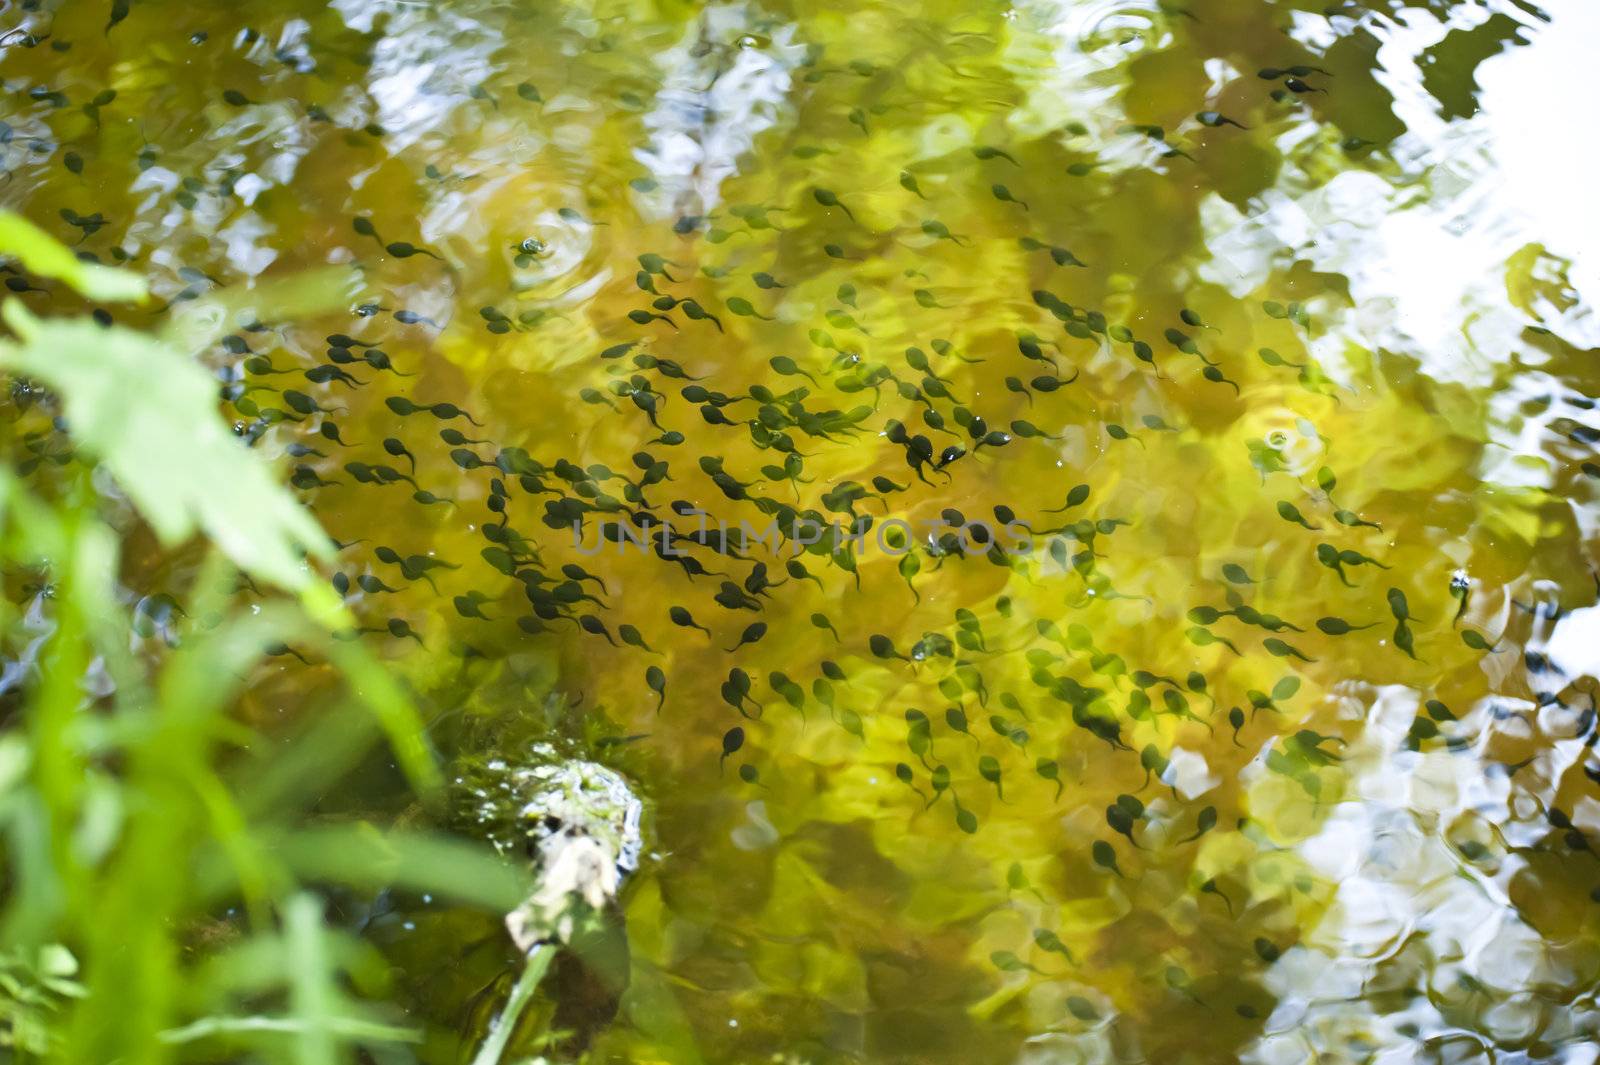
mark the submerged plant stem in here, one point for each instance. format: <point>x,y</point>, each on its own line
<point>500,1030</point>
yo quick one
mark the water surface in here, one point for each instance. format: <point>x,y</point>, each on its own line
<point>1277,744</point>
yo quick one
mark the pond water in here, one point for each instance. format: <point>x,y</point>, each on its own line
<point>1166,434</point>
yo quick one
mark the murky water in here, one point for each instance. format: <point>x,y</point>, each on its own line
<point>1271,742</point>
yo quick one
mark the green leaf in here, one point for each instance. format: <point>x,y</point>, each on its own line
<point>353,1029</point>
<point>48,257</point>
<point>148,413</point>
<point>197,324</point>
<point>361,856</point>
<point>313,997</point>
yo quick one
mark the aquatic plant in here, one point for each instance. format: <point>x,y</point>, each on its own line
<point>160,901</point>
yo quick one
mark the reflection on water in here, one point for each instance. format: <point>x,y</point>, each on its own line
<point>1277,746</point>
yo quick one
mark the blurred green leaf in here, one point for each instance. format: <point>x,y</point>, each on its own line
<point>313,968</point>
<point>34,987</point>
<point>199,323</point>
<point>312,994</point>
<point>383,695</point>
<point>149,415</point>
<point>48,257</point>
<point>361,856</point>
<point>352,1028</point>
